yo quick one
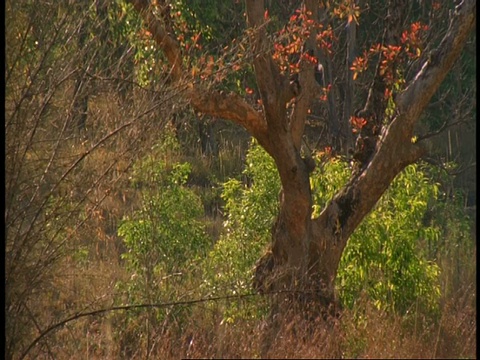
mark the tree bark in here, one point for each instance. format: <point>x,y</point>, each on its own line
<point>349,86</point>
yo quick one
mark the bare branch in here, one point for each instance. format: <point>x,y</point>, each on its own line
<point>449,172</point>
<point>442,128</point>
<point>97,312</point>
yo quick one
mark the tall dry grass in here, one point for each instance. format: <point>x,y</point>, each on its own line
<point>376,335</point>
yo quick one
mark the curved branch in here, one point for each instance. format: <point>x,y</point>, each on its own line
<point>272,86</point>
<point>164,39</point>
<point>80,315</point>
<point>230,107</point>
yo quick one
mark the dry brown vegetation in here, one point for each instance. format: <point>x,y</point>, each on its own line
<point>367,335</point>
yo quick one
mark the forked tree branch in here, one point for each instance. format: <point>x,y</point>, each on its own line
<point>309,88</point>
<point>271,84</point>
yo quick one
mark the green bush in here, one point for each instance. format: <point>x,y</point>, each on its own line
<point>388,260</point>
<point>383,258</point>
<point>251,207</point>
<point>166,238</point>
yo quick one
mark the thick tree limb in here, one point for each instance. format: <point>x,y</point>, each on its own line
<point>307,83</point>
<point>418,93</point>
<point>231,107</point>
<point>227,106</point>
<point>272,86</point>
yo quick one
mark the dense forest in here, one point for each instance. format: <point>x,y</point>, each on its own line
<point>240,179</point>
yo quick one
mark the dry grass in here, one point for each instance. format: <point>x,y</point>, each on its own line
<point>362,333</point>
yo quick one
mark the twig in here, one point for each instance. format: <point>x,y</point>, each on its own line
<point>442,128</point>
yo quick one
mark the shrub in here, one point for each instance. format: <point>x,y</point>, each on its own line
<point>383,257</point>
<point>251,207</point>
<point>164,241</point>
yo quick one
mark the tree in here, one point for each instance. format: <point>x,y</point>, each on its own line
<point>306,251</point>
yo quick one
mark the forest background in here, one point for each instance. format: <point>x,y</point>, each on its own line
<point>133,223</point>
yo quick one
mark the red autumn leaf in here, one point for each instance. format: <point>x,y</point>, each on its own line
<point>357,122</point>
<point>388,93</point>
